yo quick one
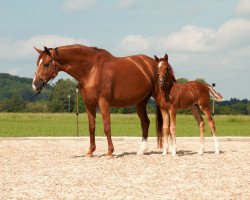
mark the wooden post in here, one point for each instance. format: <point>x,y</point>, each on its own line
<point>213,85</point>
<point>77,112</point>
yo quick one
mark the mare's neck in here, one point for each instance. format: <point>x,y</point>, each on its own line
<point>76,61</point>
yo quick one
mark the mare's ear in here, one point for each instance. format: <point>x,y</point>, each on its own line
<point>47,51</point>
<point>166,57</point>
<point>156,58</point>
<point>38,50</point>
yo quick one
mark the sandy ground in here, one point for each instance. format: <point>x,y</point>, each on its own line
<point>52,168</point>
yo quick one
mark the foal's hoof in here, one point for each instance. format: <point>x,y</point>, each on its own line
<point>217,151</point>
<point>200,152</point>
<point>140,152</point>
<point>164,153</point>
<point>173,153</point>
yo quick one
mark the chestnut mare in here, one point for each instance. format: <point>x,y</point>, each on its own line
<point>104,80</point>
<point>193,95</point>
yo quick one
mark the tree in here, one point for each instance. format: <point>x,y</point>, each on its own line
<point>182,80</point>
<point>63,93</point>
<point>15,104</point>
<point>201,80</point>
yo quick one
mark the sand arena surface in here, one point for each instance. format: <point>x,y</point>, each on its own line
<point>55,168</point>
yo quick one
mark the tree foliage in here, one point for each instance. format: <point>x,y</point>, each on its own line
<point>16,95</point>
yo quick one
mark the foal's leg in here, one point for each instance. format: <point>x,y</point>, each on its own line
<point>172,113</point>
<point>196,112</point>
<point>142,113</point>
<point>166,130</point>
<point>212,127</point>
<point>104,108</point>
<point>91,112</point>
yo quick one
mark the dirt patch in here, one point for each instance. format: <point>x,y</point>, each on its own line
<point>57,169</point>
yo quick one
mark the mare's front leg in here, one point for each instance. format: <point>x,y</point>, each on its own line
<point>91,112</point>
<point>105,111</point>
<point>142,113</point>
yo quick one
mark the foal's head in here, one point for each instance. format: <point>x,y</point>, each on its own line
<point>46,69</point>
<point>164,71</point>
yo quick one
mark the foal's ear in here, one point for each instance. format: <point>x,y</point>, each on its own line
<point>47,51</point>
<point>166,57</point>
<point>156,58</point>
<point>38,50</point>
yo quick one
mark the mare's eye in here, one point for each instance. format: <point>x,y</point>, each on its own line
<point>45,64</point>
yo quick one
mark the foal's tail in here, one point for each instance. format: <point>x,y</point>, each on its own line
<point>217,96</point>
<point>159,124</point>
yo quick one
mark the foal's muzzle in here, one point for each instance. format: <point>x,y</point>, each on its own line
<point>161,80</point>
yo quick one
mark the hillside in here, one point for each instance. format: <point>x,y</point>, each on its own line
<point>11,85</point>
<point>16,91</point>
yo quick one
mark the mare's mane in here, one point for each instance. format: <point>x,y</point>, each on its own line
<point>79,46</point>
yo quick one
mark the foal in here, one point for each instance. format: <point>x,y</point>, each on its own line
<point>193,95</point>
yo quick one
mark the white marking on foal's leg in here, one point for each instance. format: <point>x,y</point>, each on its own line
<point>165,146</point>
<point>174,149</point>
<point>202,146</point>
<point>201,150</point>
<point>143,147</point>
<point>170,147</point>
<point>216,145</point>
<point>202,139</point>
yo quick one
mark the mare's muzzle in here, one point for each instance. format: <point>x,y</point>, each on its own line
<point>37,85</point>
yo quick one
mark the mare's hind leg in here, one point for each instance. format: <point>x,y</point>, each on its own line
<point>91,112</point>
<point>196,112</point>
<point>212,127</point>
<point>142,113</point>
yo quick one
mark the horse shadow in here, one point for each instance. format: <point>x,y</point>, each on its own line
<point>124,154</point>
<point>133,153</point>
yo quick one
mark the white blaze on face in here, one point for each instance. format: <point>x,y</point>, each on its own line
<point>33,85</point>
<point>160,64</point>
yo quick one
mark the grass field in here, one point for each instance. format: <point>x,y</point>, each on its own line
<point>30,124</point>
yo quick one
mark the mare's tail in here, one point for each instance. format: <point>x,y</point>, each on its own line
<point>159,124</point>
<point>217,96</point>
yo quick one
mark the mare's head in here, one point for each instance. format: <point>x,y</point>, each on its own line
<point>46,69</point>
<point>164,71</point>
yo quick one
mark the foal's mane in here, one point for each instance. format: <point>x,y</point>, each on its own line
<point>171,72</point>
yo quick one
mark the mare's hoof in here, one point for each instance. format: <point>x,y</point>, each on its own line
<point>110,156</point>
<point>89,155</point>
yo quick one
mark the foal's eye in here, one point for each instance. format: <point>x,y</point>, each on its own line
<point>45,64</point>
